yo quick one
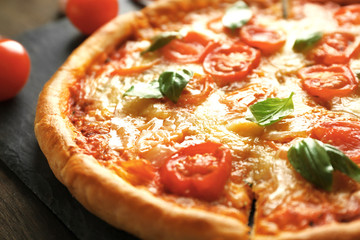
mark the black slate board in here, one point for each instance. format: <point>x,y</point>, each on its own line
<point>48,47</point>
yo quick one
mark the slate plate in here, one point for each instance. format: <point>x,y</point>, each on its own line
<point>48,46</point>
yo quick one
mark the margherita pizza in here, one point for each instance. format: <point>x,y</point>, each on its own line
<point>176,121</point>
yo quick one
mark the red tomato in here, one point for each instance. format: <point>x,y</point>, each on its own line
<point>241,99</point>
<point>199,170</point>
<point>89,15</point>
<point>341,134</point>
<point>348,14</point>
<point>189,49</point>
<point>229,63</point>
<point>14,68</point>
<point>197,90</point>
<point>328,82</point>
<point>127,60</point>
<point>268,41</point>
<point>335,48</point>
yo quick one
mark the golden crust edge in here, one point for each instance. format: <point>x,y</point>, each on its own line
<point>335,231</point>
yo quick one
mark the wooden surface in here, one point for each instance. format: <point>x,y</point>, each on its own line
<point>23,215</point>
<point>17,16</point>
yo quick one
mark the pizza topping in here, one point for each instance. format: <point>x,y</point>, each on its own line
<point>170,84</point>
<point>271,110</point>
<point>229,63</point>
<point>268,41</point>
<point>237,15</point>
<point>162,40</point>
<point>328,82</point>
<point>316,162</point>
<point>307,42</point>
<point>199,170</point>
<point>344,135</point>
<point>348,14</point>
<point>197,90</point>
<point>189,49</point>
<point>335,48</point>
<point>241,99</point>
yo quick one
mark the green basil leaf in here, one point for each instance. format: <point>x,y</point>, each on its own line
<point>271,110</point>
<point>357,73</point>
<point>305,43</point>
<point>172,83</point>
<point>311,160</point>
<point>237,15</point>
<point>161,40</point>
<point>342,163</point>
<point>145,90</point>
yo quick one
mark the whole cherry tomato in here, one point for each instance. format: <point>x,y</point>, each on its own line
<point>328,82</point>
<point>344,135</point>
<point>268,41</point>
<point>89,15</point>
<point>199,170</point>
<point>231,62</point>
<point>14,68</point>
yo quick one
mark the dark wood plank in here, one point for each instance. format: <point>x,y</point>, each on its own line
<point>23,216</point>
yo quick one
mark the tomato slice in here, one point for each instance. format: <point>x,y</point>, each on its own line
<point>344,135</point>
<point>197,90</point>
<point>199,170</point>
<point>229,63</point>
<point>268,41</point>
<point>348,14</point>
<point>241,99</point>
<point>189,49</point>
<point>127,60</point>
<point>335,48</point>
<point>328,82</point>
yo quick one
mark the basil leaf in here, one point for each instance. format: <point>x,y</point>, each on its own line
<point>310,159</point>
<point>271,110</point>
<point>172,83</point>
<point>237,15</point>
<point>305,43</point>
<point>342,163</point>
<point>145,90</point>
<point>316,161</point>
<point>161,40</point>
<point>357,73</point>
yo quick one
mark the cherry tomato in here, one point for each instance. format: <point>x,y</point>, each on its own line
<point>127,60</point>
<point>268,41</point>
<point>348,14</point>
<point>328,82</point>
<point>344,135</point>
<point>89,15</point>
<point>197,90</point>
<point>189,49</point>
<point>14,68</point>
<point>241,99</point>
<point>229,63</point>
<point>335,48</point>
<point>199,170</point>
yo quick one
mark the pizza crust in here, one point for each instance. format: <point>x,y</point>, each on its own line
<point>103,192</point>
<point>100,190</point>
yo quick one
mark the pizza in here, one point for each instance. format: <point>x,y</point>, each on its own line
<point>209,119</point>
